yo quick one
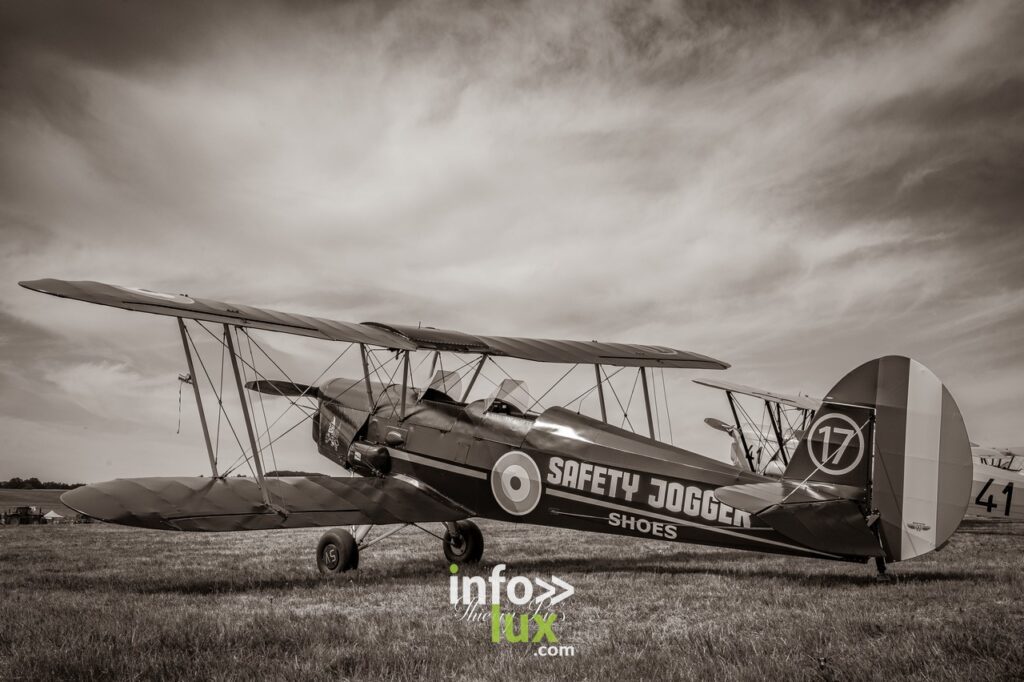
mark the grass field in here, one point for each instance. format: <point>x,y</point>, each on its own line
<point>104,602</point>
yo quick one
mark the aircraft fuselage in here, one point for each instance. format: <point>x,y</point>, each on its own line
<point>558,468</point>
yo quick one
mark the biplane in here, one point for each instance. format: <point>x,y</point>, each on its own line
<point>882,471</point>
<point>765,437</point>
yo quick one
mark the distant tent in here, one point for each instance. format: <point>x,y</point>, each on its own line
<point>52,516</point>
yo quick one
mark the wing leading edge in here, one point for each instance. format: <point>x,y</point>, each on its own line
<point>802,402</point>
<point>396,337</point>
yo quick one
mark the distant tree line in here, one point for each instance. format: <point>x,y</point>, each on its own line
<point>35,484</point>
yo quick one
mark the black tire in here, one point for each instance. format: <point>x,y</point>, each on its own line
<point>469,549</point>
<point>337,552</point>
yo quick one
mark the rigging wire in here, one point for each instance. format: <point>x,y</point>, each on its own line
<point>583,396</point>
<point>245,399</point>
<point>458,370</point>
<point>567,372</point>
<point>266,422</point>
<point>315,381</point>
<point>615,394</point>
<point>220,403</point>
<point>220,399</point>
<point>291,428</point>
<point>629,402</point>
<point>413,370</point>
<point>310,386</point>
<point>821,465</point>
<point>522,385</point>
<point>386,386</point>
<point>245,364</point>
<point>236,463</point>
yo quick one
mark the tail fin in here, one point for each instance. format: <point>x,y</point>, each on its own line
<point>837,448</point>
<point>890,437</point>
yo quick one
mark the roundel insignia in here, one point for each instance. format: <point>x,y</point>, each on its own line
<point>516,483</point>
<point>841,444</point>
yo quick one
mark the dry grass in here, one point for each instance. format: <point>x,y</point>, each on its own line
<point>101,602</point>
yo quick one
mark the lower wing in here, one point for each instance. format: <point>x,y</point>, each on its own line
<point>230,504</point>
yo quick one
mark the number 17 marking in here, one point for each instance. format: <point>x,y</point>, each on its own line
<point>827,431</point>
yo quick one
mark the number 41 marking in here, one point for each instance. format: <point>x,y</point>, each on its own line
<point>990,504</point>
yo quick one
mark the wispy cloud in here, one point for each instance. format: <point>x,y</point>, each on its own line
<point>794,190</point>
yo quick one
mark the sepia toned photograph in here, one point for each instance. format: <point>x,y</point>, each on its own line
<point>511,340</point>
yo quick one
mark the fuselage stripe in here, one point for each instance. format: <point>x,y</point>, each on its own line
<point>454,468</point>
<point>681,522</point>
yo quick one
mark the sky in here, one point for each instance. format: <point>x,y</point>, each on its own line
<point>793,190</point>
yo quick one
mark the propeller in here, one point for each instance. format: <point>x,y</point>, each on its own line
<point>719,425</point>
<point>282,388</point>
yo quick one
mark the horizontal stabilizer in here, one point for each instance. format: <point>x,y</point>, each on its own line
<point>282,388</point>
<point>230,504</point>
<point>837,526</point>
<point>822,516</point>
<point>756,497</point>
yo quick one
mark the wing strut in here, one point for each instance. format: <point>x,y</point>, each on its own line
<point>366,375</point>
<point>739,428</point>
<point>647,401</point>
<point>472,380</point>
<point>405,385</point>
<point>245,413</point>
<point>600,393</point>
<point>776,420</point>
<point>199,398</point>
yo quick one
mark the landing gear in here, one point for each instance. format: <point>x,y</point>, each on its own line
<point>463,542</point>
<point>337,552</point>
<point>882,576</point>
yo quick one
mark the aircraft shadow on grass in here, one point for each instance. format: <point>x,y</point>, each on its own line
<point>740,566</point>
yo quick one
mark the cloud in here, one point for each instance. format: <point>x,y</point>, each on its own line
<point>791,189</point>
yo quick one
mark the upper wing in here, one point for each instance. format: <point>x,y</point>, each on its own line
<point>181,305</point>
<point>229,504</point>
<point>396,337</point>
<point>799,401</point>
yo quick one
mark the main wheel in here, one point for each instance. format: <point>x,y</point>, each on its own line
<point>468,547</point>
<point>337,552</point>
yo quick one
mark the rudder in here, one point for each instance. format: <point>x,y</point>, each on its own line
<point>891,428</point>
